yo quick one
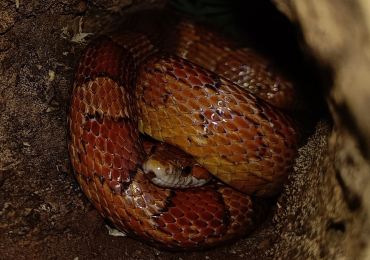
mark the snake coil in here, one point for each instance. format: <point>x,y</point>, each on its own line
<point>123,85</point>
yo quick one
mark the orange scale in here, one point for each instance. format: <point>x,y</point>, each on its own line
<point>191,231</point>
<point>84,170</point>
<point>114,94</point>
<point>173,228</point>
<point>183,222</point>
<point>191,72</point>
<point>191,216</point>
<point>198,239</point>
<point>104,204</point>
<point>107,193</point>
<point>277,126</point>
<point>132,164</point>
<point>270,114</point>
<point>101,80</point>
<point>180,237</point>
<point>215,127</point>
<point>180,73</point>
<point>99,69</point>
<point>240,218</point>
<point>186,204</point>
<point>195,81</point>
<point>175,212</point>
<point>120,141</point>
<point>205,103</point>
<point>200,224</point>
<point>234,204</point>
<point>206,216</point>
<point>107,172</point>
<point>98,156</point>
<point>237,148</point>
<point>135,224</point>
<point>253,156</point>
<point>211,115</point>
<point>198,91</point>
<point>116,108</point>
<point>105,106</point>
<point>189,94</point>
<point>104,131</point>
<point>116,175</point>
<point>94,86</point>
<point>177,65</point>
<point>239,121</point>
<point>148,227</point>
<point>97,167</point>
<point>97,205</point>
<point>117,162</point>
<point>246,200</point>
<point>128,147</point>
<point>80,118</point>
<point>224,150</point>
<point>244,210</point>
<point>197,209</point>
<point>205,197</point>
<point>89,151</point>
<point>214,223</point>
<point>246,108</point>
<point>238,158</point>
<point>160,224</point>
<point>95,127</point>
<point>111,70</point>
<point>167,218</point>
<point>100,143</point>
<point>179,97</point>
<point>255,166</point>
<point>208,231</point>
<point>220,214</point>
<point>250,145</point>
<point>201,204</point>
<point>101,91</point>
<point>109,100</point>
<point>122,153</point>
<point>264,152</point>
<point>205,78</point>
<point>153,82</point>
<point>275,149</point>
<point>211,209</point>
<point>156,93</point>
<point>221,139</point>
<point>110,147</point>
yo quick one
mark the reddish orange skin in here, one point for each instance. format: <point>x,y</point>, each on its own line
<point>106,154</point>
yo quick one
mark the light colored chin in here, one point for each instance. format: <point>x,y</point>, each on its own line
<point>170,177</point>
<point>179,182</point>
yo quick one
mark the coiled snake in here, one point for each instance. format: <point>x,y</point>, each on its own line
<point>124,83</point>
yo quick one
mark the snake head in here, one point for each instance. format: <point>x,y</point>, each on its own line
<point>169,167</point>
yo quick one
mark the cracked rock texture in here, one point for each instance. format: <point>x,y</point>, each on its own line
<point>322,213</point>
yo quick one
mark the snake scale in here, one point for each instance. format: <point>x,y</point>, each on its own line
<point>141,79</point>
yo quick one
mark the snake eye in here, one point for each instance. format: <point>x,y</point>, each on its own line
<point>187,169</point>
<point>153,149</point>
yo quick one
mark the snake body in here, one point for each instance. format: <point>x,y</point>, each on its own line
<point>124,84</point>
